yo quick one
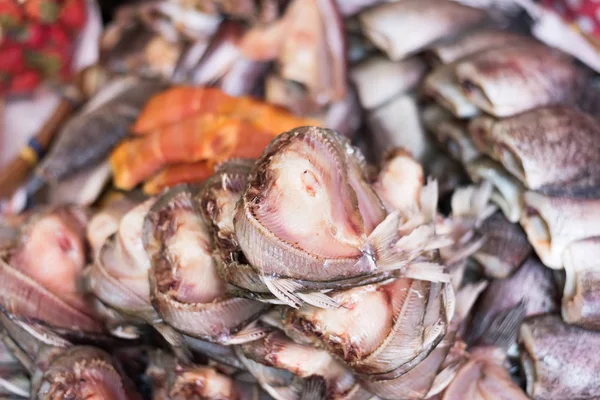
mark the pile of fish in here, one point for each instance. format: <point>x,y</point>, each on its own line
<point>397,202</point>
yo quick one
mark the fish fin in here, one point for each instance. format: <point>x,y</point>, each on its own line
<point>319,300</point>
<point>433,333</point>
<point>175,339</point>
<point>429,199</point>
<point>384,234</point>
<point>443,379</point>
<point>449,299</point>
<point>284,290</point>
<point>473,201</point>
<point>427,271</point>
<point>13,388</point>
<point>267,376</point>
<point>504,327</point>
<point>422,238</point>
<point>251,332</point>
<point>410,246</point>
<point>452,255</point>
<point>42,333</point>
<point>466,297</point>
<point>17,352</point>
<point>314,388</point>
<point>128,332</point>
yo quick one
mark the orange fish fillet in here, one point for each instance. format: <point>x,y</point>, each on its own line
<point>179,103</point>
<point>175,174</point>
<point>195,139</point>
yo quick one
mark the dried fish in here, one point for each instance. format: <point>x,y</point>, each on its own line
<point>82,372</point>
<point>398,124</point>
<point>472,42</point>
<point>544,147</point>
<point>89,137</point>
<point>432,374</point>
<point>138,49</point>
<point>557,359</point>
<point>443,86</point>
<point>83,188</point>
<point>579,298</point>
<point>553,220</point>
<point>304,362</point>
<point>14,382</point>
<point>171,380</point>
<point>223,65</point>
<point>184,284</point>
<point>106,222</point>
<point>45,267</point>
<point>378,79</point>
<point>220,55</point>
<point>406,27</point>
<point>483,375</point>
<point>451,133</point>
<point>508,191</point>
<point>412,320</point>
<point>311,54</point>
<point>400,182</point>
<point>515,78</point>
<point>448,172</point>
<point>316,168</point>
<point>532,284</point>
<point>119,277</point>
<point>505,247</point>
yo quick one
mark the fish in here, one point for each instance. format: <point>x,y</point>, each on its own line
<point>557,360</point>
<point>88,138</point>
<point>554,219</point>
<point>579,296</point>
<point>515,78</point>
<point>505,247</point>
<point>378,80</point>
<point>403,28</point>
<point>545,147</point>
<point>532,284</point>
<point>471,42</point>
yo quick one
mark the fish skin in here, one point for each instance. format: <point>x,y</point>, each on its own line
<point>565,367</point>
<point>581,298</point>
<point>532,283</point>
<point>89,137</point>
<point>515,78</point>
<point>472,42</point>
<point>547,146</point>
<point>405,27</point>
<point>506,242</point>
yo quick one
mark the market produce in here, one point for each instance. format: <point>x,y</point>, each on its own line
<point>395,201</point>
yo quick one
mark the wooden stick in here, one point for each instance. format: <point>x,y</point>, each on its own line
<point>15,173</point>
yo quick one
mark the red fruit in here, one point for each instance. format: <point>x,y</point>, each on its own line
<point>11,14</point>
<point>26,81</point>
<point>73,14</point>
<point>58,36</point>
<point>33,36</point>
<point>45,11</point>
<point>12,60</point>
